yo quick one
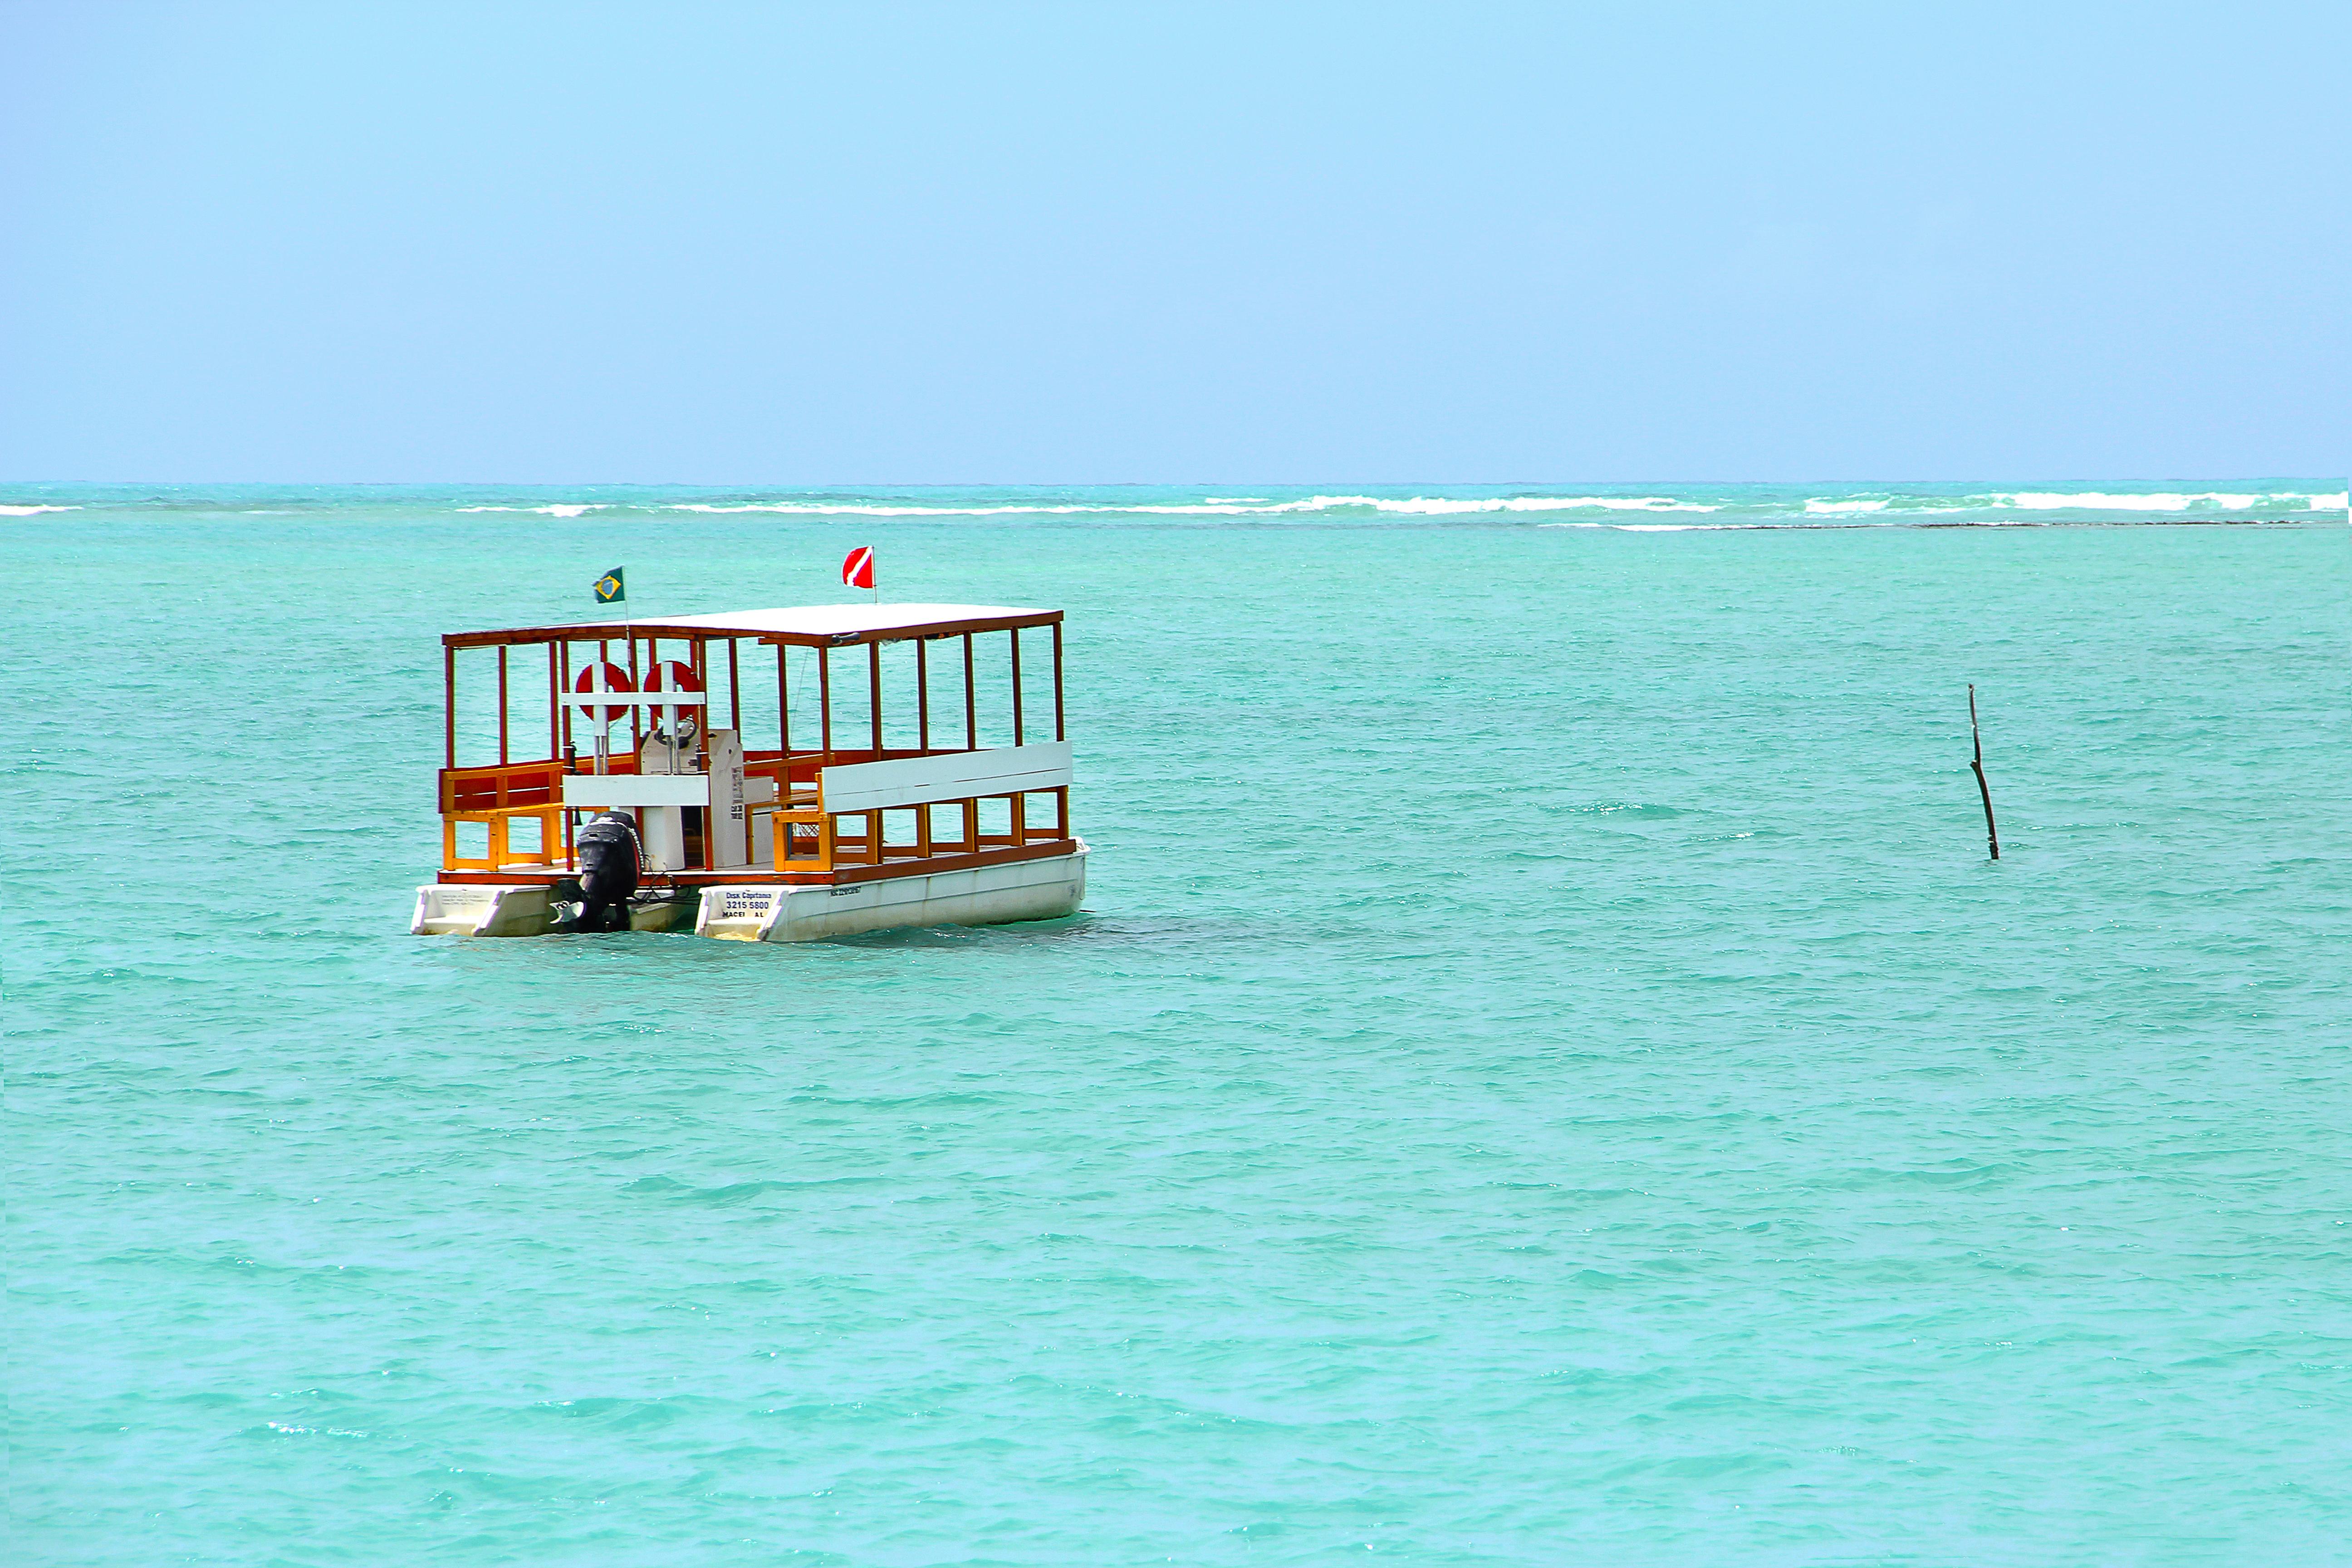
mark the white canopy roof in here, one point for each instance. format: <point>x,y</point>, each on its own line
<point>812,623</point>
<point>833,620</point>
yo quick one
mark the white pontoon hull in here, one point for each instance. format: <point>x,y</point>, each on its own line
<point>987,895</point>
<point>1041,890</point>
<point>474,909</point>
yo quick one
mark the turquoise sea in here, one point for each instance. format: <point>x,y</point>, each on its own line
<point>1548,1073</point>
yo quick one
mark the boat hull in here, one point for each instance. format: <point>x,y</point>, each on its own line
<point>1041,890</point>
<point>459,908</point>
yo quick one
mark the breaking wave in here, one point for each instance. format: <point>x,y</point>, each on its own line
<point>560,509</point>
<point>2102,500</point>
<point>1216,506</point>
<point>1663,509</point>
<point>1876,505</point>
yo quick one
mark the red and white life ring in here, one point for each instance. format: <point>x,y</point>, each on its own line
<point>673,675</point>
<point>600,678</point>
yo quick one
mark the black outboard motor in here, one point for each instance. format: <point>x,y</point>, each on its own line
<point>608,871</point>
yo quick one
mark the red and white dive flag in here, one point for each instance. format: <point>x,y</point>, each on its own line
<point>857,571</point>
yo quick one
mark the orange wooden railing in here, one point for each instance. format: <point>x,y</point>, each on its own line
<point>806,838</point>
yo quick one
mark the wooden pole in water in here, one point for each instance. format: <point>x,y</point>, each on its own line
<point>1992,833</point>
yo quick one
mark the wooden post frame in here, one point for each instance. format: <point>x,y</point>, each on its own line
<point>825,699</point>
<point>735,692</point>
<point>923,697</point>
<point>784,717</point>
<point>810,830</point>
<point>971,700</point>
<point>1060,733</point>
<point>636,715</point>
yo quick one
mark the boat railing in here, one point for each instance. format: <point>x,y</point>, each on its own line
<point>815,840</point>
<point>814,834</point>
<point>826,812</point>
<point>501,853</point>
<point>504,785</point>
<point>493,799</point>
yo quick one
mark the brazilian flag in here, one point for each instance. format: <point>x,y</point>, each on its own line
<point>610,590</point>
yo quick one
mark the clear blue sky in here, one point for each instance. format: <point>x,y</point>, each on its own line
<point>782,245</point>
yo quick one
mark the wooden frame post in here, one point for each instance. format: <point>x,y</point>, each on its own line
<point>825,699</point>
<point>698,660</point>
<point>495,792</point>
<point>636,714</point>
<point>971,701</point>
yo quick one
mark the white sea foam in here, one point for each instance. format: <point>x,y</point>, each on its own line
<point>1528,503</point>
<point>32,511</point>
<point>2101,501</point>
<point>851,509</point>
<point>1412,506</point>
<point>2151,501</point>
<point>1880,507</point>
